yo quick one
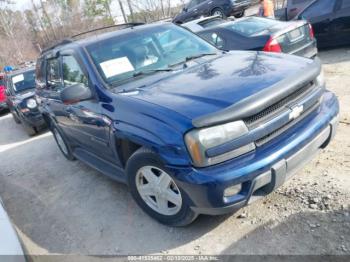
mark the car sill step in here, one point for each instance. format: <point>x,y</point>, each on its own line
<point>112,171</point>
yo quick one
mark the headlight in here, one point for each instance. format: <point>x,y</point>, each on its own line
<point>31,103</point>
<point>200,140</point>
<point>321,79</point>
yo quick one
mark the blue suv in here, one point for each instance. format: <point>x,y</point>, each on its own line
<point>223,8</point>
<point>191,129</point>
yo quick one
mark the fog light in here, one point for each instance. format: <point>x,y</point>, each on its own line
<point>233,190</point>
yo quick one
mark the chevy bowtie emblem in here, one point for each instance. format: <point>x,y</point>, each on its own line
<point>296,112</point>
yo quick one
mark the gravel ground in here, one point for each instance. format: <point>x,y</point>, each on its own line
<point>61,207</point>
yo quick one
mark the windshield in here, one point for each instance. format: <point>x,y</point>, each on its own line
<point>24,81</point>
<point>123,57</point>
<point>251,26</point>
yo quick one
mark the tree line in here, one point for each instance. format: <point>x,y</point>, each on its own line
<point>24,33</point>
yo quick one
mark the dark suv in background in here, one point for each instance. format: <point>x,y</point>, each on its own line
<point>21,102</point>
<point>223,8</point>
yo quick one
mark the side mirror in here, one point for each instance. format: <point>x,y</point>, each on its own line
<point>75,93</point>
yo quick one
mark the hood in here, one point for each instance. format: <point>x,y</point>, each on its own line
<point>221,82</point>
<point>26,94</point>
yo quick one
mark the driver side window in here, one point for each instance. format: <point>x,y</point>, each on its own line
<point>72,72</point>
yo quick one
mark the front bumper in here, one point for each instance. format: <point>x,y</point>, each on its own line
<point>33,118</point>
<point>262,171</point>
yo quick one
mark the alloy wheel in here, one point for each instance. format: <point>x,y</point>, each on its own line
<point>158,190</point>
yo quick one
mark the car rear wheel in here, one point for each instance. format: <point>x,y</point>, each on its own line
<point>239,15</point>
<point>218,12</point>
<point>155,191</point>
<point>62,144</point>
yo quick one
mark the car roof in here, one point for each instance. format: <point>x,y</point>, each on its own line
<point>195,25</point>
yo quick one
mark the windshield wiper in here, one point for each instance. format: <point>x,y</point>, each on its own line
<point>141,73</point>
<point>151,71</point>
<point>189,58</point>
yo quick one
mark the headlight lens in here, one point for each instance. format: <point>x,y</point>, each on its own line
<point>31,103</point>
<point>321,79</point>
<point>200,140</point>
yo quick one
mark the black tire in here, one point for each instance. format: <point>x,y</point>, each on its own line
<point>15,117</point>
<point>68,153</point>
<point>144,157</point>
<point>239,15</point>
<point>31,131</point>
<point>219,12</point>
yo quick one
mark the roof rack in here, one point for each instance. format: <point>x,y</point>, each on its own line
<point>63,42</point>
<point>122,26</point>
<point>75,37</point>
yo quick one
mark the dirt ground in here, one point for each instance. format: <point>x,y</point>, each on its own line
<point>63,207</point>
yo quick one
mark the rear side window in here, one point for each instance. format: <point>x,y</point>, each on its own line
<point>54,80</point>
<point>319,8</point>
<point>72,72</point>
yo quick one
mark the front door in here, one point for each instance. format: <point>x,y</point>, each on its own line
<point>81,121</point>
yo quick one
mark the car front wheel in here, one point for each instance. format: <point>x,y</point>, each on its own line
<point>155,191</point>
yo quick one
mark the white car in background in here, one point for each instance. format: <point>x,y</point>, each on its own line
<point>10,246</point>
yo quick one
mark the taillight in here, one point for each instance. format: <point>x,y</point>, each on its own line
<point>272,46</point>
<point>312,33</point>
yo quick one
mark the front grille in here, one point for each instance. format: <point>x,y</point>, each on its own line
<point>284,128</point>
<point>277,108</point>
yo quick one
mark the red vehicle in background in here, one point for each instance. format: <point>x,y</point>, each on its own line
<point>3,104</point>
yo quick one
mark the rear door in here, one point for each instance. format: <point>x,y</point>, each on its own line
<point>321,14</point>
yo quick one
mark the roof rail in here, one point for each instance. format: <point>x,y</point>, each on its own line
<point>122,26</point>
<point>63,42</point>
<point>74,37</point>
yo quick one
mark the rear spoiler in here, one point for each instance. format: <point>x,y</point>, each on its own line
<point>263,99</point>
